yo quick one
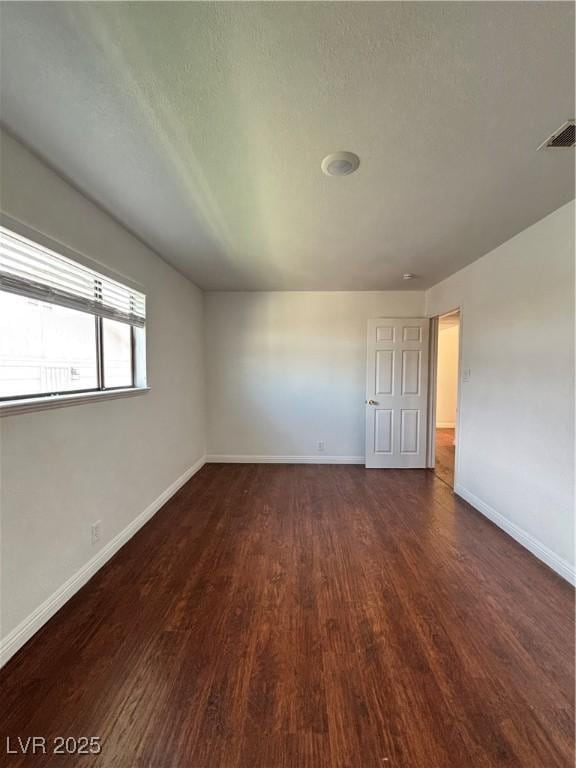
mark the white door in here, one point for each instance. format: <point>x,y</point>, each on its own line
<point>397,392</point>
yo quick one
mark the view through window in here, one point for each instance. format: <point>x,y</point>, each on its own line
<point>117,346</point>
<point>49,349</point>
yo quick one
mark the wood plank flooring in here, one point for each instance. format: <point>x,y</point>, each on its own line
<point>277,616</point>
<point>445,455</point>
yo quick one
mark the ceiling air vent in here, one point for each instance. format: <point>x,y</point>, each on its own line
<point>563,138</point>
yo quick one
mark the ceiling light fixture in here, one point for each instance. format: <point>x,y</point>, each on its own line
<point>340,164</point>
<point>409,276</point>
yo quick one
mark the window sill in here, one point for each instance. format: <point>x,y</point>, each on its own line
<point>14,407</point>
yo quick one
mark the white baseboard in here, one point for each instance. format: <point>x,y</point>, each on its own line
<point>250,459</point>
<point>32,623</point>
<point>558,564</point>
<point>445,425</point>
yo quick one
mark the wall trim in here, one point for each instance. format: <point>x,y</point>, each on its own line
<point>32,623</point>
<point>542,552</point>
<point>218,458</point>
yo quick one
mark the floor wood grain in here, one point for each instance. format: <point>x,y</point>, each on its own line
<point>445,455</point>
<point>276,616</point>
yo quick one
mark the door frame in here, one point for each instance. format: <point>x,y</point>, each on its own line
<point>432,385</point>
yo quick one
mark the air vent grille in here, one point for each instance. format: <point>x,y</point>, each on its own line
<point>563,138</point>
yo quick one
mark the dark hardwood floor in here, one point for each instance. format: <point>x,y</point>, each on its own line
<point>445,455</point>
<point>276,616</point>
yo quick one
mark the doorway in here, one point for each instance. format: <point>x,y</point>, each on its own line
<point>446,396</point>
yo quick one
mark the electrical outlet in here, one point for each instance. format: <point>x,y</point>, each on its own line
<point>96,532</point>
<point>320,445</point>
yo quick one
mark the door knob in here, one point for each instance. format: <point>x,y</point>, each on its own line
<point>372,402</point>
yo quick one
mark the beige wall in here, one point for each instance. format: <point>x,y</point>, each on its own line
<point>63,469</point>
<point>447,380</point>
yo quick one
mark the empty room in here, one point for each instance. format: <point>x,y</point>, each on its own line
<point>287,418</point>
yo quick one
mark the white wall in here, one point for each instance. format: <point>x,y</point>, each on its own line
<point>62,469</point>
<point>447,379</point>
<point>516,439</point>
<point>287,369</point>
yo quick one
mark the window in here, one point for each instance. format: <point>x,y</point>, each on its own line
<point>117,344</point>
<point>64,328</point>
<point>45,348</point>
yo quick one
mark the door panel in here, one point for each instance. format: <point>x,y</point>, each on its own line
<point>384,372</point>
<point>409,430</point>
<point>396,392</point>
<point>410,371</point>
<point>383,431</point>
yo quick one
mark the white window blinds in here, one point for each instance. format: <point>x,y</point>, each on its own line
<point>32,270</point>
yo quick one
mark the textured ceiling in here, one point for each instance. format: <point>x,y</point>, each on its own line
<point>201,127</point>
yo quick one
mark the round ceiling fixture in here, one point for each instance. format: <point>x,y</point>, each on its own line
<point>409,276</point>
<point>340,164</point>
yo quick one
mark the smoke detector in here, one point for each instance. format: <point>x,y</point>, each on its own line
<point>409,276</point>
<point>562,138</point>
<point>340,164</point>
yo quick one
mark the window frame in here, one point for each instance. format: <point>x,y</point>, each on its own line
<point>44,400</point>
